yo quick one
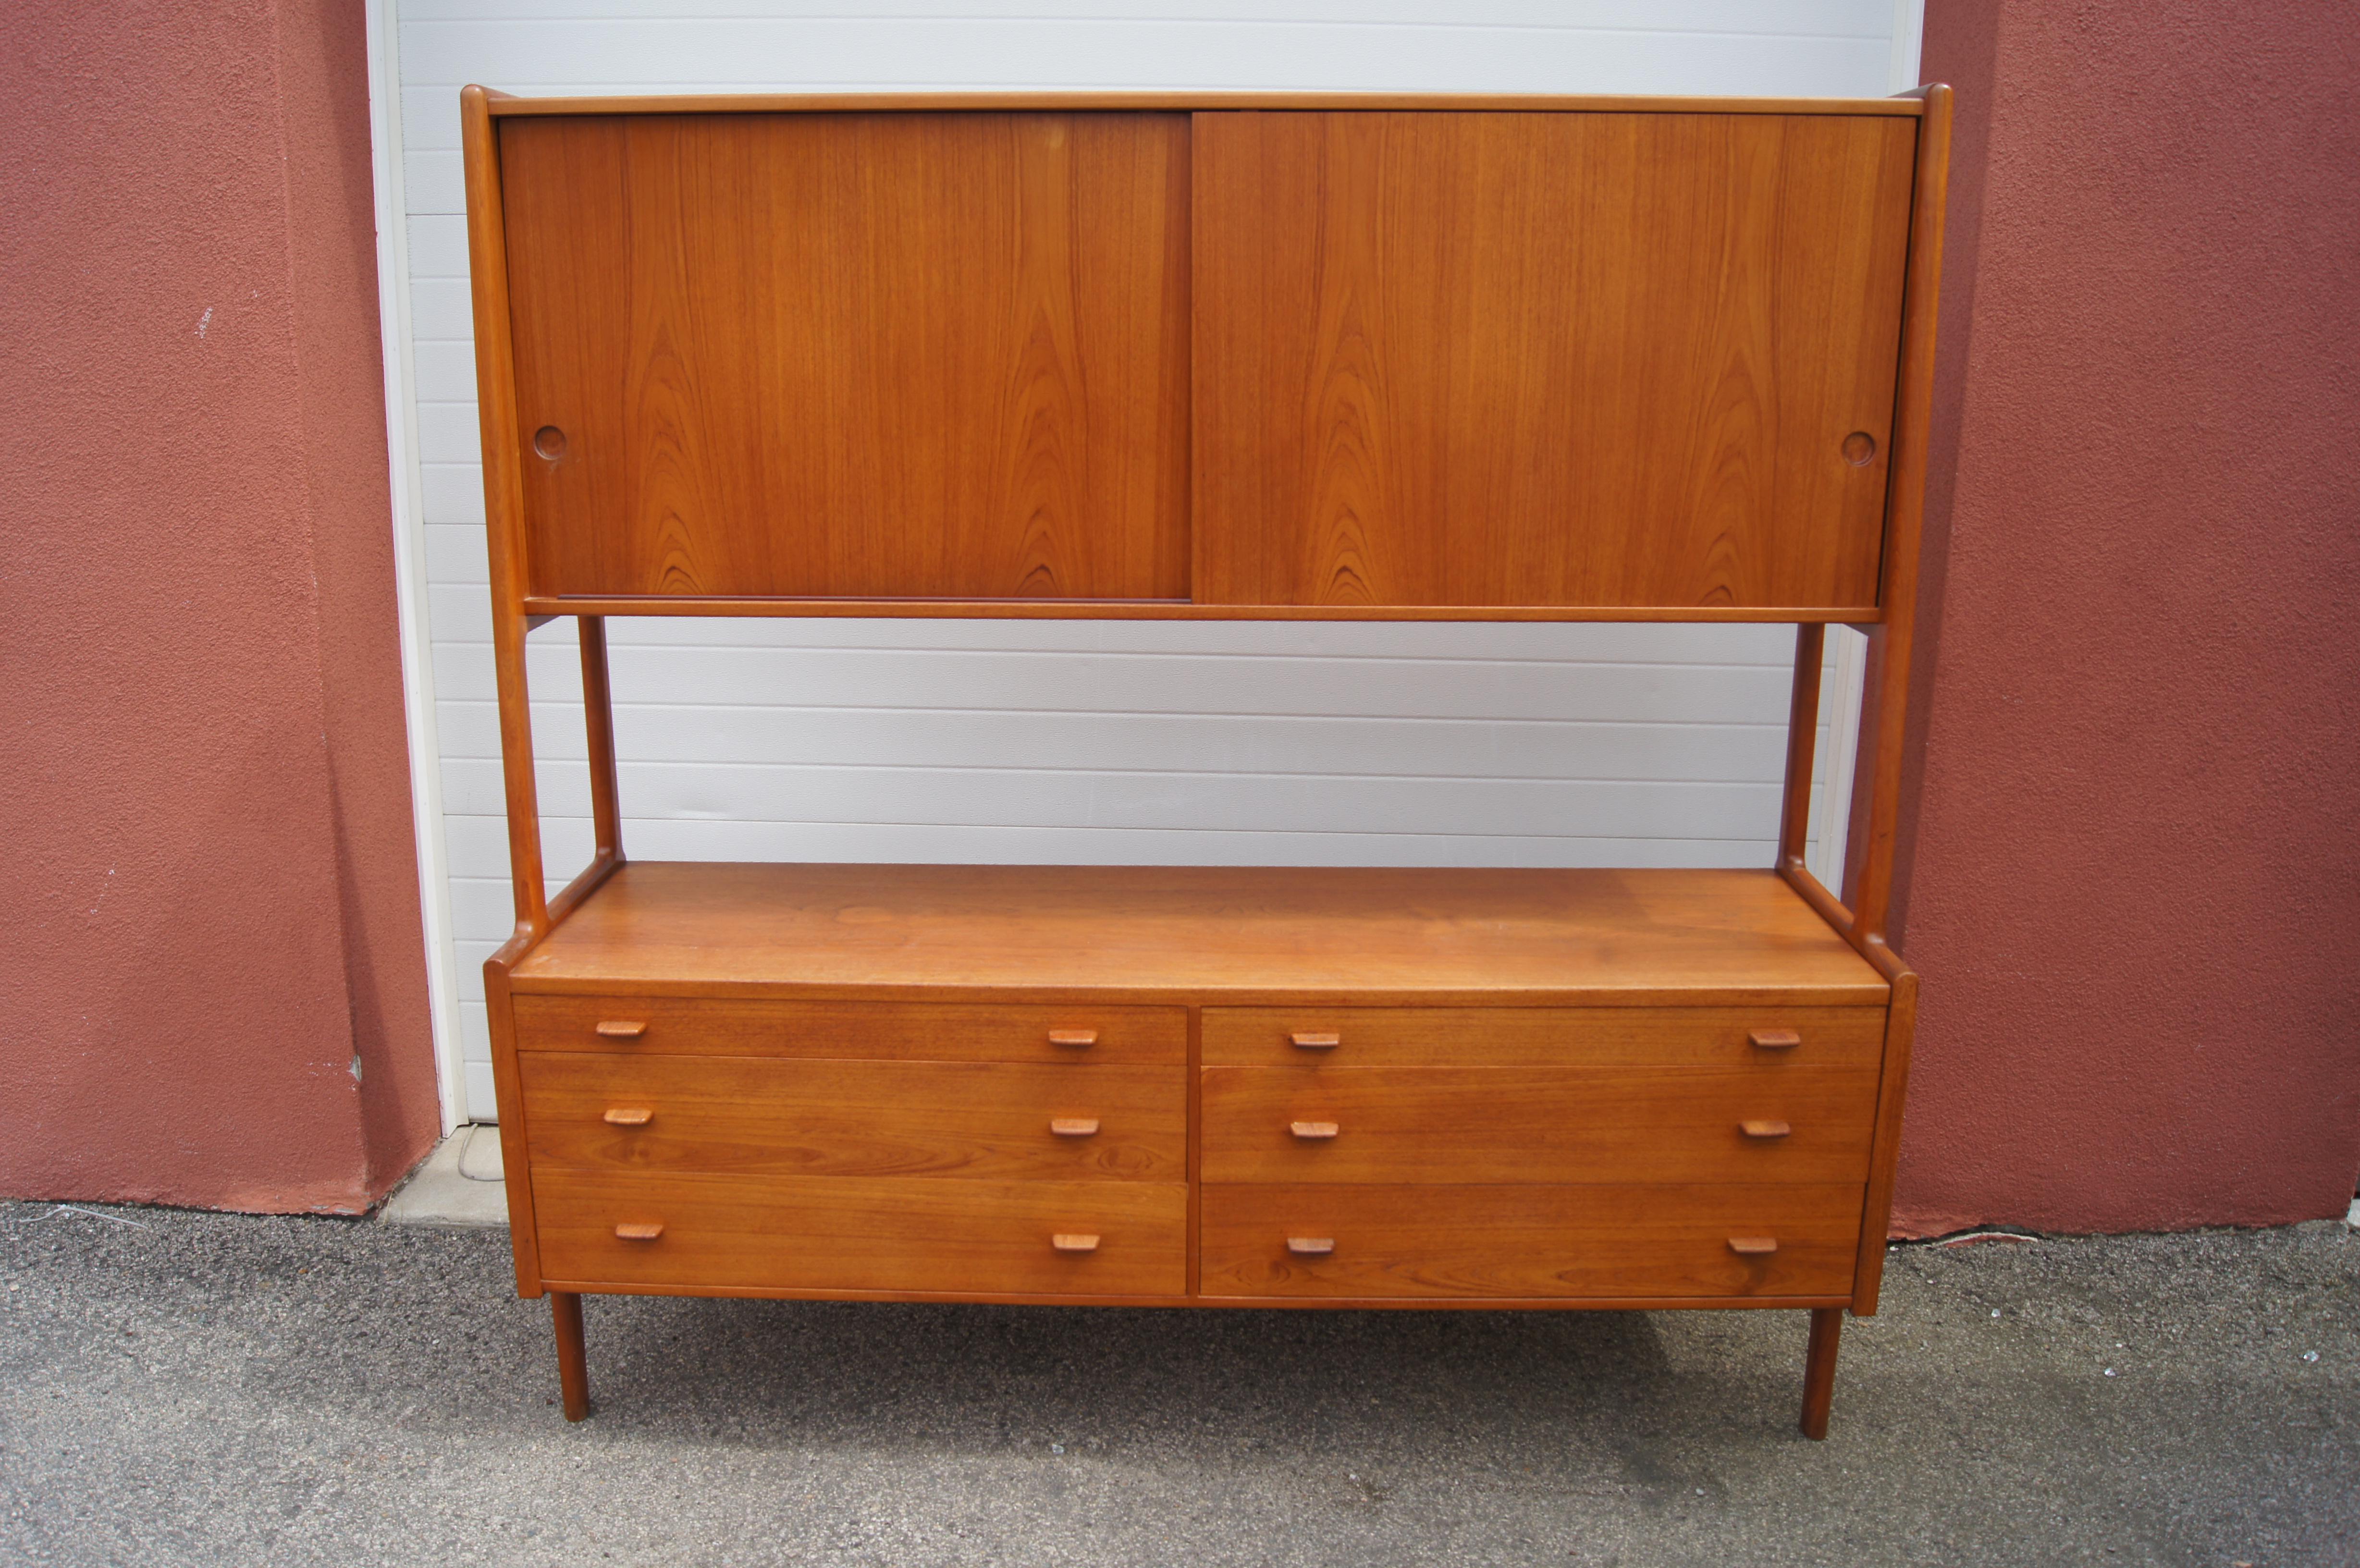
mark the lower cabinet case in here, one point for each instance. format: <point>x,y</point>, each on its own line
<point>1407,1156</point>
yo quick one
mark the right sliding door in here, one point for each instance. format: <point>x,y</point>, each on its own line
<point>1566,359</point>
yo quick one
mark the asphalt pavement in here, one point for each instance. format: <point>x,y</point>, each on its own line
<point>217,1390</point>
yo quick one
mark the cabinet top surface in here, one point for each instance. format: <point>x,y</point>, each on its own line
<point>505,105</point>
<point>1213,934</point>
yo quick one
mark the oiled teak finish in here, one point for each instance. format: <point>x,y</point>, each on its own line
<point>1255,356</point>
<point>852,354</point>
<point>1546,359</point>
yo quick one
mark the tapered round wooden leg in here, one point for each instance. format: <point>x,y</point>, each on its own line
<point>1820,1370</point>
<point>574,1371</point>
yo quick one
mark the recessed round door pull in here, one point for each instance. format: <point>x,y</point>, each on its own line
<point>638,1230</point>
<point>1065,1241</point>
<point>550,442</point>
<point>1074,1126</point>
<point>1311,1246</point>
<point>1775,1040</point>
<point>630,1115</point>
<point>1753,1246</point>
<point>1860,448</point>
<point>1764,1130</point>
<point>1079,1038</point>
<point>621,1028</point>
<point>1313,1132</point>
<point>1316,1039</point>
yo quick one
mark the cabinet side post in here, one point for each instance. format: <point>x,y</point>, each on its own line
<point>503,503</point>
<point>1802,744</point>
<point>598,721</point>
<point>1876,802</point>
<point>1885,1149</point>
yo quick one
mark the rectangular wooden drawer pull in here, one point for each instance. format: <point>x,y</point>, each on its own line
<point>630,1115</point>
<point>1074,1126</point>
<point>1314,1040</point>
<point>638,1230</point>
<point>1753,1246</point>
<point>621,1028</point>
<point>1064,1242</point>
<point>1072,1036</point>
<point>1765,1129</point>
<point>1775,1040</point>
<point>1311,1246</point>
<point>1311,1132</point>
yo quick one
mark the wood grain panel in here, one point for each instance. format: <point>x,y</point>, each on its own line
<point>826,1233</point>
<point>1539,1037</point>
<point>1601,1242</point>
<point>1515,359</point>
<point>1291,935</point>
<point>917,1031</point>
<point>1535,1123</point>
<point>760,1116</point>
<point>871,355</point>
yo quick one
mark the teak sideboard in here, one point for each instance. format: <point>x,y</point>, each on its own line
<point>1205,357</point>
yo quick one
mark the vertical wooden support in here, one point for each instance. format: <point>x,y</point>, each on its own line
<point>1820,1370</point>
<point>503,501</point>
<point>1868,885</point>
<point>573,1364</point>
<point>599,719</point>
<point>1802,743</point>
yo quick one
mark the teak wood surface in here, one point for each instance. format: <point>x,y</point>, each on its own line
<point>801,1116</point>
<point>1422,1240</point>
<point>1535,1123</point>
<point>1545,1037</point>
<point>1218,355</point>
<point>852,354</point>
<point>1294,934</point>
<point>1545,359</point>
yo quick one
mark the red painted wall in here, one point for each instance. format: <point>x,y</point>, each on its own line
<point>2133,888</point>
<point>214,988</point>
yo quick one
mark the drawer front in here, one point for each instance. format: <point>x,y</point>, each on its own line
<point>909,1031</point>
<point>823,1233</point>
<point>768,1116</point>
<point>1470,1243</point>
<point>1536,1124</point>
<point>1542,1037</point>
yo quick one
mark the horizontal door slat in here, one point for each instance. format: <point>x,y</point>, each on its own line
<point>1420,1242</point>
<point>863,1233</point>
<point>918,1031</point>
<point>1537,1125</point>
<point>787,1116</point>
<point>1537,1037</point>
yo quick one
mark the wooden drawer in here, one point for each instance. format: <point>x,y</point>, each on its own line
<point>1536,1124</point>
<point>860,1233</point>
<point>751,1115</point>
<point>1601,1242</point>
<point>1542,1037</point>
<point>924,1031</point>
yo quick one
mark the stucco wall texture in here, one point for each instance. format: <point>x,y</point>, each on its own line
<point>2130,881</point>
<point>215,989</point>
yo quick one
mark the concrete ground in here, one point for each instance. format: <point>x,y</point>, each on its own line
<point>206,1388</point>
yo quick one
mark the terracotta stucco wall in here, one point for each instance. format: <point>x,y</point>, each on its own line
<point>2133,889</point>
<point>215,983</point>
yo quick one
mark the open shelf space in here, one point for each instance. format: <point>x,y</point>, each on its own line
<point>1237,934</point>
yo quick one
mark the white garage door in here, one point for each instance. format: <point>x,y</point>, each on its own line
<point>1106,742</point>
